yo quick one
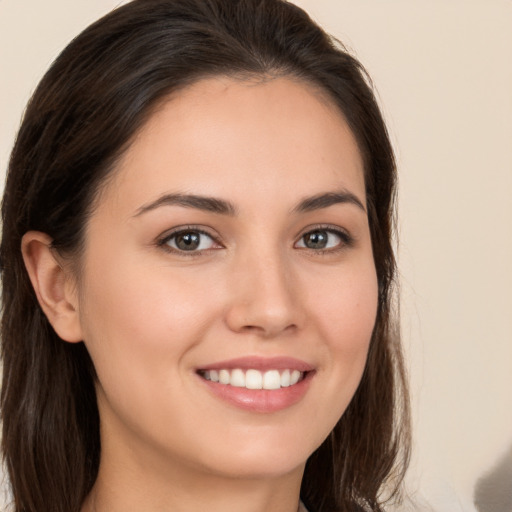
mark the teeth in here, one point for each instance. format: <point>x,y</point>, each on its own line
<point>285,379</point>
<point>271,380</point>
<point>254,379</point>
<point>294,377</point>
<point>237,378</point>
<point>224,377</point>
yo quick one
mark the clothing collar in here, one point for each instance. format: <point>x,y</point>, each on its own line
<point>302,507</point>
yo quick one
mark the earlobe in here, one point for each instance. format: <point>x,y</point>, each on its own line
<point>53,286</point>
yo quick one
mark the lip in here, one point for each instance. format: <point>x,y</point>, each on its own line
<point>260,400</point>
<point>260,363</point>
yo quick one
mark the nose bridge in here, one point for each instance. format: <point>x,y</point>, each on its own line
<point>264,295</point>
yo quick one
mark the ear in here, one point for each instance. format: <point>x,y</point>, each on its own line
<point>55,288</point>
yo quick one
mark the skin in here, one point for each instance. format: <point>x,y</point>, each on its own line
<point>151,315</point>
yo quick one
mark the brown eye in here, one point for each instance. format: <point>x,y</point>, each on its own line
<point>316,240</point>
<point>190,241</point>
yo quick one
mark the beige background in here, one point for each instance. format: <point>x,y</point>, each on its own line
<point>443,71</point>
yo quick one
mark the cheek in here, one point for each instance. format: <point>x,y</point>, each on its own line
<point>346,308</point>
<point>140,321</point>
<point>140,334</point>
<point>345,313</point>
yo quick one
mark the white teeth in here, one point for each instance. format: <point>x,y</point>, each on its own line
<point>255,379</point>
<point>294,377</point>
<point>271,380</point>
<point>238,378</point>
<point>285,379</point>
<point>224,377</point>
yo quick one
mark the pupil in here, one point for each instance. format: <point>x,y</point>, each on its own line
<point>188,241</point>
<point>316,240</point>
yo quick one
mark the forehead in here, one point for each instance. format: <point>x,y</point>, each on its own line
<point>280,137</point>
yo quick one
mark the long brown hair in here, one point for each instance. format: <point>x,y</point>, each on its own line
<point>83,115</point>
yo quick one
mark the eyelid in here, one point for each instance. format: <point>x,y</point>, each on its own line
<point>163,239</point>
<point>346,238</point>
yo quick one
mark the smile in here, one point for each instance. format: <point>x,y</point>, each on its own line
<point>258,384</point>
<point>254,379</point>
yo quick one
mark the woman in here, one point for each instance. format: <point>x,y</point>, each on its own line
<point>200,315</point>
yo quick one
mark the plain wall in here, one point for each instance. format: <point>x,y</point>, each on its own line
<point>443,72</point>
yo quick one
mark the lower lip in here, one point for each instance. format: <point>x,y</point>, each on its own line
<point>261,400</point>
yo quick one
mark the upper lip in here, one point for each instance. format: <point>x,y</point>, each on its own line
<point>260,363</point>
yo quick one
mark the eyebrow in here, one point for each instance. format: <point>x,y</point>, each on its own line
<point>223,207</point>
<point>327,199</point>
<point>208,204</point>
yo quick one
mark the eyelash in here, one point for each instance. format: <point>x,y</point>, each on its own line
<point>346,240</point>
<point>165,239</point>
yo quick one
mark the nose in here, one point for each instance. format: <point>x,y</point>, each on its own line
<point>264,299</point>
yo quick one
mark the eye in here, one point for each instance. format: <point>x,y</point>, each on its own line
<point>189,240</point>
<point>323,239</point>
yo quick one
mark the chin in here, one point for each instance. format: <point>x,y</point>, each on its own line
<point>261,457</point>
<point>260,468</point>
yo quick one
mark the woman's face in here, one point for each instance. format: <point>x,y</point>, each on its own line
<point>232,244</point>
